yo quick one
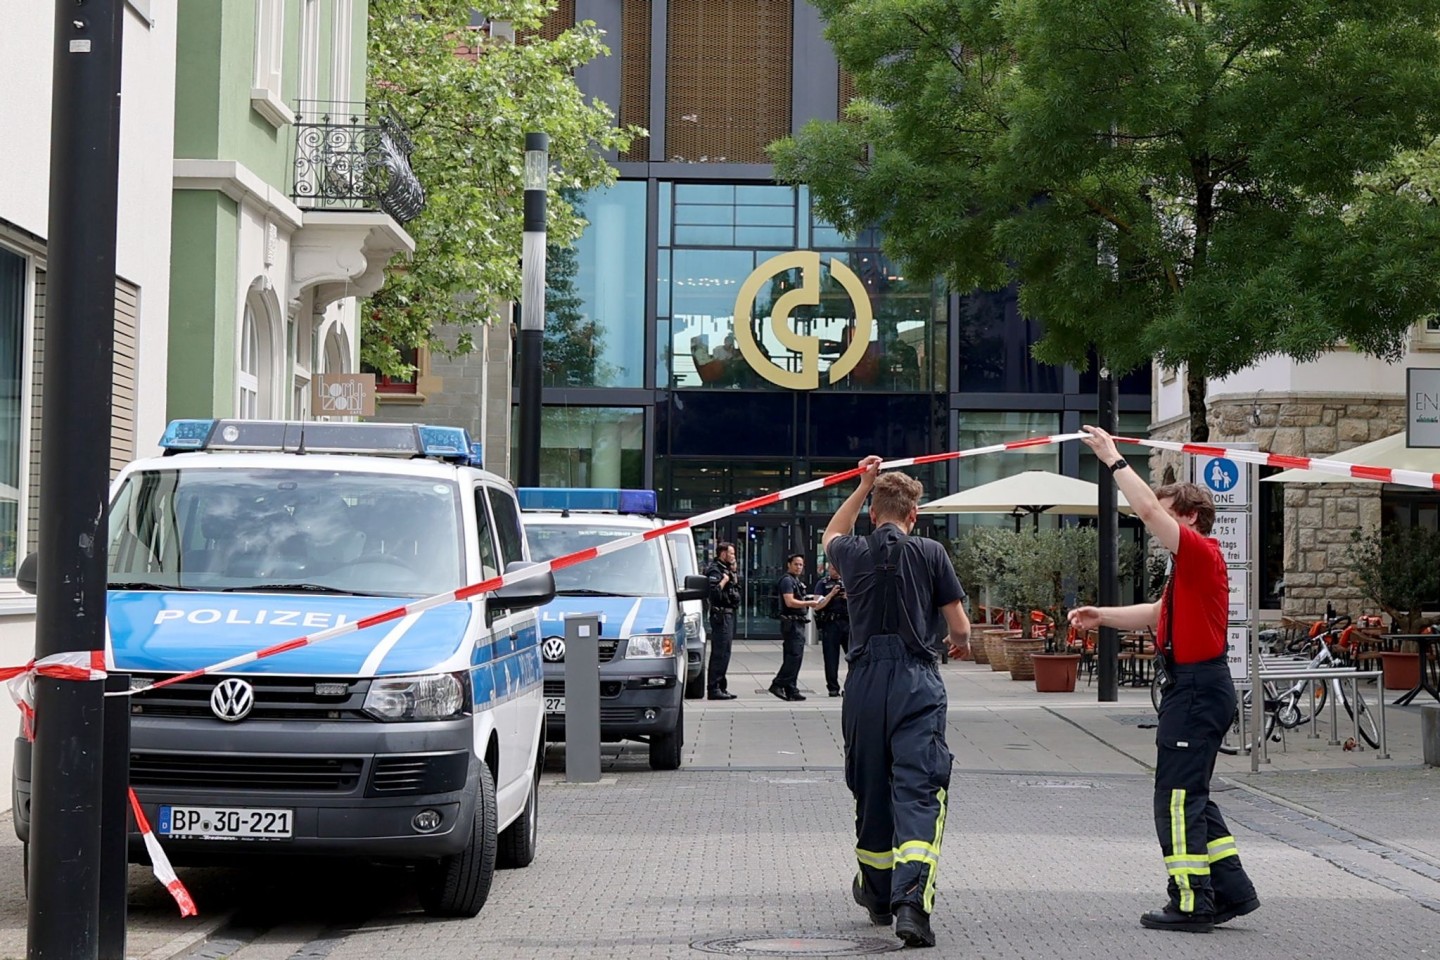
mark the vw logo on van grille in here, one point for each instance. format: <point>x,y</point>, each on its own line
<point>232,699</point>
<point>553,649</point>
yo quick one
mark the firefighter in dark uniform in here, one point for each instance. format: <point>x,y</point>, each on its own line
<point>832,615</point>
<point>893,720</point>
<point>1206,881</point>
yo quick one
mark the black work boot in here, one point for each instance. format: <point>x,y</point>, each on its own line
<point>1225,912</point>
<point>1169,917</point>
<point>880,916</point>
<point>912,925</point>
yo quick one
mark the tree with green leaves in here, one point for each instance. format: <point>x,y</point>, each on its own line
<point>468,100</point>
<point>1202,182</point>
<point>1398,569</point>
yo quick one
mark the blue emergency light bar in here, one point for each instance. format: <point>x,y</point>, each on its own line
<point>599,499</point>
<point>313,436</point>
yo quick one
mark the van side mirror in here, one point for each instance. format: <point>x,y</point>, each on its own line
<point>25,576</point>
<point>696,588</point>
<point>526,594</point>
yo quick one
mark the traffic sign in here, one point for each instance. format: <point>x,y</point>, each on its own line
<point>1236,638</point>
<point>1232,530</point>
<point>1226,479</point>
<point>1239,595</point>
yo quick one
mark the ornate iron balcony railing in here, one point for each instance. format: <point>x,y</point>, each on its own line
<point>348,159</point>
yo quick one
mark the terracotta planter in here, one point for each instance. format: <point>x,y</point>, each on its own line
<point>978,650</point>
<point>1018,653</point>
<point>995,650</point>
<point>1402,670</point>
<point>1055,672</point>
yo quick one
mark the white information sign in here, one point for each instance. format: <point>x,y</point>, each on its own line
<point>1236,650</point>
<point>1227,480</point>
<point>1232,530</point>
<point>1239,595</point>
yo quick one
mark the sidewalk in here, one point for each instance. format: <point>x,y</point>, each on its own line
<point>1049,849</point>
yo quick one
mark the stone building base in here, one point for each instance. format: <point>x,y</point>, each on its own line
<point>1319,517</point>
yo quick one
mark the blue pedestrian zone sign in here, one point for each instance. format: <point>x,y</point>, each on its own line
<point>1225,479</point>
<point>1221,475</point>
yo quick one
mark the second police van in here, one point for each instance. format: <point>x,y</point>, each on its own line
<point>644,666</point>
<point>418,740</point>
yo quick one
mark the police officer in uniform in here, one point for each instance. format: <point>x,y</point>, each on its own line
<point>724,599</point>
<point>893,720</point>
<point>795,607</point>
<point>1207,883</point>
<point>832,615</point>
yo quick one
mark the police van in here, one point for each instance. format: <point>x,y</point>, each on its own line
<point>643,662</point>
<point>417,740</point>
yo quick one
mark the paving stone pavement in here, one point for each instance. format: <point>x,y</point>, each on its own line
<point>1049,848</point>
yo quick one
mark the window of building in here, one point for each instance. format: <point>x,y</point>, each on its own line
<point>589,446</point>
<point>342,31</point>
<point>14,270</point>
<point>994,342</point>
<point>982,429</point>
<point>260,356</point>
<point>266,92</point>
<point>635,74</point>
<point>1134,425</point>
<point>309,79</point>
<point>595,297</point>
<point>727,88</point>
<point>384,383</point>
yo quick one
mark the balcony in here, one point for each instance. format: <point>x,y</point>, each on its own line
<point>348,158</point>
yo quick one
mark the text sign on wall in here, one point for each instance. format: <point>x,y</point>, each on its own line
<point>1422,407</point>
<point>1236,638</point>
<point>1239,594</point>
<point>343,395</point>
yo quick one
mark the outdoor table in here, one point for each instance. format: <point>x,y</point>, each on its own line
<point>1134,660</point>
<point>1424,642</point>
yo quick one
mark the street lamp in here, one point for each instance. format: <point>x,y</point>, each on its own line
<point>532,304</point>
<point>1107,404</point>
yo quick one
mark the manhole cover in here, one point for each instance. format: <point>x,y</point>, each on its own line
<point>796,946</point>
<point>1063,784</point>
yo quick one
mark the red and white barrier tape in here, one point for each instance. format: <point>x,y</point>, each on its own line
<point>159,862</point>
<point>1339,468</point>
<point>84,666</point>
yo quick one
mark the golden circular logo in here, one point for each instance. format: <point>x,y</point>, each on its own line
<point>807,376</point>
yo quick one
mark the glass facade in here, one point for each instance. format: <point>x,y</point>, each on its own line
<point>12,343</point>
<point>590,447</point>
<point>595,296</point>
<point>651,380</point>
<point>715,237</point>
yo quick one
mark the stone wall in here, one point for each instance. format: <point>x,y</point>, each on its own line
<point>1319,517</point>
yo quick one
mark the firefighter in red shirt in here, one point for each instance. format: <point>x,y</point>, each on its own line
<point>1207,883</point>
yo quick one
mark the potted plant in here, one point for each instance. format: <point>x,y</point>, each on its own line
<point>978,556</point>
<point>1030,582</point>
<point>1398,569</point>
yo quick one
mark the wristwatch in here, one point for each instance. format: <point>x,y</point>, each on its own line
<point>1118,465</point>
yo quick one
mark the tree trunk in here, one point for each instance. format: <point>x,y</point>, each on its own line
<point>1195,392</point>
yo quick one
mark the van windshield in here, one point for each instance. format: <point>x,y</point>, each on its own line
<point>323,531</point>
<point>637,571</point>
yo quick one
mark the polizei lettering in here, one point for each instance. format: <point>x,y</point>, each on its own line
<point>208,616</point>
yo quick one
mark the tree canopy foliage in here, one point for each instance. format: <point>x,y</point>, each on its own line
<point>468,101</point>
<point>1204,182</point>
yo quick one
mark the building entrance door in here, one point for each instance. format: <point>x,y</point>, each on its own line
<point>761,545</point>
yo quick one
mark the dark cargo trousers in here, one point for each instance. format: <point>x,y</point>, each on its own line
<point>1201,858</point>
<point>722,637</point>
<point>898,768</point>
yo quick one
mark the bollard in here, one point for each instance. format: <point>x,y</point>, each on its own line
<point>115,819</point>
<point>1430,734</point>
<point>582,698</point>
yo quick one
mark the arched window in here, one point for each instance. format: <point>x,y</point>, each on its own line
<point>255,379</point>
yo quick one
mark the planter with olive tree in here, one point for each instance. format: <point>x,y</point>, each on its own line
<point>1398,569</point>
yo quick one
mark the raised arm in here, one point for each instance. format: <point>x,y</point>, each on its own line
<point>1157,519</point>
<point>844,520</point>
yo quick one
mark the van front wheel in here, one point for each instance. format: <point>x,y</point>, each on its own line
<point>458,885</point>
<point>665,748</point>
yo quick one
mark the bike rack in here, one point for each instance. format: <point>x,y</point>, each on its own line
<point>1274,669</point>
